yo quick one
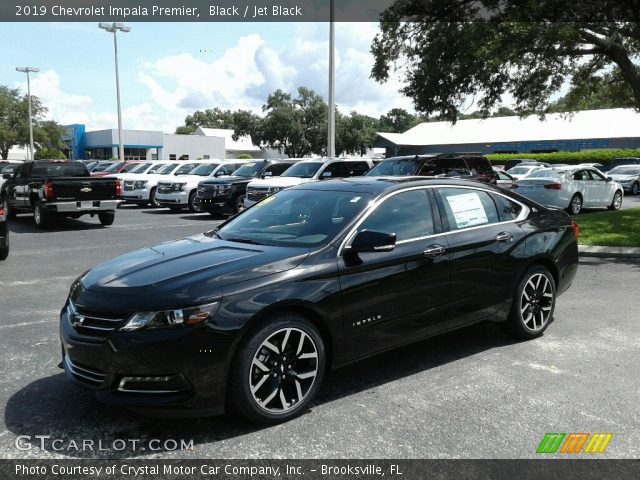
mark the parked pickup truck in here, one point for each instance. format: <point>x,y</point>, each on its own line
<point>50,188</point>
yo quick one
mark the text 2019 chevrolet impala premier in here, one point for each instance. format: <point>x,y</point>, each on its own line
<point>251,315</point>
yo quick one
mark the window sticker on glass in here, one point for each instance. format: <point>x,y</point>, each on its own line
<point>467,209</point>
<point>355,199</point>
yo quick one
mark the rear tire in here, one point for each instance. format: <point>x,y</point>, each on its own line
<point>575,205</point>
<point>40,216</point>
<point>106,218</point>
<point>4,251</point>
<point>11,212</point>
<point>278,370</point>
<point>533,304</point>
<point>616,203</point>
<point>635,188</point>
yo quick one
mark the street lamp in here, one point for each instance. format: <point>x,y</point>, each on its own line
<point>28,70</point>
<point>113,28</point>
<point>331,137</point>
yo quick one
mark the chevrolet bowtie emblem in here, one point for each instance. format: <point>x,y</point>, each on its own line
<point>85,189</point>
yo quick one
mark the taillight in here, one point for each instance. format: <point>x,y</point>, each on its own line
<point>48,190</point>
<point>514,186</point>
<point>117,187</point>
<point>553,186</point>
<point>1,211</point>
<point>576,229</point>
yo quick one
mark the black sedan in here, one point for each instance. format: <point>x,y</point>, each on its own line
<point>4,232</point>
<point>251,315</point>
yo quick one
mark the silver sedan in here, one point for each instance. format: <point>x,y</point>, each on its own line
<point>628,176</point>
<point>572,188</point>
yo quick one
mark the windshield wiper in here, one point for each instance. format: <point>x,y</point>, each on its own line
<point>243,240</point>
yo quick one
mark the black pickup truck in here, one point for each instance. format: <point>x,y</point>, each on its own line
<point>225,195</point>
<point>49,188</point>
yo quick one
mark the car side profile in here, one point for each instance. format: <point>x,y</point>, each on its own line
<point>251,315</point>
<point>628,176</point>
<point>571,188</point>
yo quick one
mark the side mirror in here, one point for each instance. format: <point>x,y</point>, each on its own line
<point>7,175</point>
<point>609,179</point>
<point>372,241</point>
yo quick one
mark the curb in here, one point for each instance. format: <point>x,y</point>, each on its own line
<point>608,252</point>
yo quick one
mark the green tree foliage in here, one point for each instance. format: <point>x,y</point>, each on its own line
<point>521,52</point>
<point>48,153</point>
<point>48,134</point>
<point>210,118</point>
<point>398,120</point>
<point>244,156</point>
<point>572,158</point>
<point>355,133</point>
<point>14,118</point>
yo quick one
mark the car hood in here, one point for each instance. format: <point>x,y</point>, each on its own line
<point>227,180</point>
<point>281,182</point>
<point>618,177</point>
<point>188,270</point>
<point>188,179</point>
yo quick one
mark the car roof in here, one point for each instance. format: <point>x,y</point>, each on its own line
<point>377,185</point>
<point>428,156</point>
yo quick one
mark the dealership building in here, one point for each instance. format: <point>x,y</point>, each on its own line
<point>584,130</point>
<point>204,143</point>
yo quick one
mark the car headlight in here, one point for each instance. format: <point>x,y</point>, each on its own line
<point>222,189</point>
<point>180,317</point>
<point>139,184</point>
<point>275,189</point>
<point>178,187</point>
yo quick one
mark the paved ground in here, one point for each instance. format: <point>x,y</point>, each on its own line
<point>473,393</point>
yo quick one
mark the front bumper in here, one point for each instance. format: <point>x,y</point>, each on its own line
<point>173,198</point>
<point>137,195</point>
<point>221,204</point>
<point>171,370</point>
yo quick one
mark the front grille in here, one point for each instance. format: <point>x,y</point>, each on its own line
<point>90,376</point>
<point>257,194</point>
<point>164,188</point>
<point>92,324</point>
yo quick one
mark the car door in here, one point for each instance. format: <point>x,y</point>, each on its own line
<point>582,183</point>
<point>484,244</point>
<point>18,187</point>
<point>601,190</point>
<point>393,297</point>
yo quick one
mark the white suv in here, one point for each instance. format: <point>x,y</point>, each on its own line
<point>142,189</point>
<point>306,171</point>
<point>181,193</point>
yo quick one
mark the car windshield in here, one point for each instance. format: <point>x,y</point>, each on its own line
<point>545,174</point>
<point>130,168</point>
<point>114,167</point>
<point>624,171</point>
<point>101,167</point>
<point>139,168</point>
<point>204,170</point>
<point>59,169</point>
<point>394,168</point>
<point>249,169</point>
<point>520,170</point>
<point>303,170</point>
<point>296,218</point>
<point>156,167</point>
<point>167,169</point>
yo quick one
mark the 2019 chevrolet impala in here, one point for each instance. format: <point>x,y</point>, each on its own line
<point>251,315</point>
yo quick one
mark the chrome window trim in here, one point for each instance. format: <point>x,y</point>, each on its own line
<point>524,213</point>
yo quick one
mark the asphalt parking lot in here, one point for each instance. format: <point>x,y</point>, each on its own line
<point>474,393</point>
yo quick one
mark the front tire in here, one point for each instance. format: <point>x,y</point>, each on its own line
<point>278,371</point>
<point>616,203</point>
<point>106,218</point>
<point>152,198</point>
<point>533,303</point>
<point>575,205</point>
<point>635,188</point>
<point>193,205</point>
<point>238,204</point>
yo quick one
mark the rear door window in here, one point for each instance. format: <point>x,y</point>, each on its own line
<point>466,208</point>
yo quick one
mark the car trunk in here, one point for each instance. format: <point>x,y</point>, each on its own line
<point>82,189</point>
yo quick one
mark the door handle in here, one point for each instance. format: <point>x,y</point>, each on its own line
<point>433,251</point>
<point>504,237</point>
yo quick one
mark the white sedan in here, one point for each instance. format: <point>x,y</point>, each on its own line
<point>572,188</point>
<point>521,171</point>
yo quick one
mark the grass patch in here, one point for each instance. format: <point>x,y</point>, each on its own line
<point>612,229</point>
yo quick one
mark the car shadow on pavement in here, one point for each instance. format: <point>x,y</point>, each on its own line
<point>67,413</point>
<point>25,224</point>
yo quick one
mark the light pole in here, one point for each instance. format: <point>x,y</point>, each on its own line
<point>113,28</point>
<point>28,70</point>
<point>331,140</point>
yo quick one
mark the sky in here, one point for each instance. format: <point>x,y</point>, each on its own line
<point>170,70</point>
